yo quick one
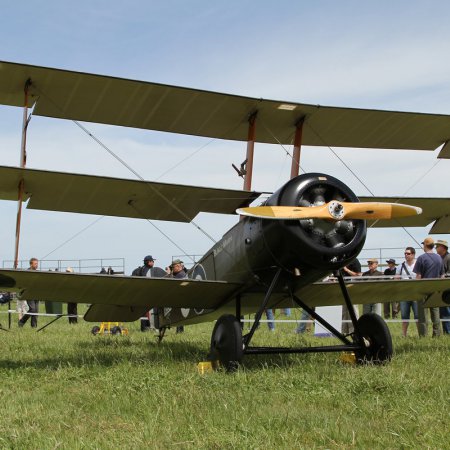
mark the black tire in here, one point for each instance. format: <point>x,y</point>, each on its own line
<point>376,333</point>
<point>226,342</point>
<point>116,330</point>
<point>95,330</point>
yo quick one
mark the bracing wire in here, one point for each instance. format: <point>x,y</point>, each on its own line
<point>127,166</point>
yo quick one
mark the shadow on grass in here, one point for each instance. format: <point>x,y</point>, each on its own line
<point>99,353</point>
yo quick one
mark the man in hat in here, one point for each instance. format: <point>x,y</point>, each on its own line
<point>428,265</point>
<point>372,272</point>
<point>177,270</point>
<point>148,270</point>
<point>444,311</point>
<point>33,305</point>
<point>390,271</point>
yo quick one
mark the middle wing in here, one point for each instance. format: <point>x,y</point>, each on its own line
<point>88,194</point>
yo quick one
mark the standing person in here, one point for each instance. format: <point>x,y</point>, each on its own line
<point>406,270</point>
<point>372,272</point>
<point>177,270</point>
<point>270,319</point>
<point>429,265</point>
<point>21,307</point>
<point>391,270</point>
<point>352,270</point>
<point>444,311</point>
<point>148,270</point>
<point>72,308</point>
<point>33,305</point>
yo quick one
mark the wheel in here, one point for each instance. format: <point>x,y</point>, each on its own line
<point>116,330</point>
<point>378,339</point>
<point>226,342</point>
<point>95,330</point>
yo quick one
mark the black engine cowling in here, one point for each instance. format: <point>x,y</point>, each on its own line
<point>314,243</point>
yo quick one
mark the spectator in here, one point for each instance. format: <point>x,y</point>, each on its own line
<point>72,309</point>
<point>390,270</point>
<point>428,265</point>
<point>33,305</point>
<point>305,324</point>
<point>177,270</point>
<point>352,270</point>
<point>270,319</point>
<point>372,272</point>
<point>148,270</point>
<point>444,311</point>
<point>406,270</point>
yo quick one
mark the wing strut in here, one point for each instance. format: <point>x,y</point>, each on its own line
<point>23,161</point>
<point>297,148</point>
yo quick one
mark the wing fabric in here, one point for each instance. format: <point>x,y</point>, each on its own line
<point>103,99</point>
<point>364,291</point>
<point>116,289</point>
<point>59,191</point>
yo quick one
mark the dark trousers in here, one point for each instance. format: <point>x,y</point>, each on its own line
<point>72,310</point>
<point>33,307</point>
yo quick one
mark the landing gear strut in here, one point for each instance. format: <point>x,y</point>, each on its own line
<point>371,340</point>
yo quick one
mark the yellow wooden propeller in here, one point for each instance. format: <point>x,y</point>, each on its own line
<point>333,210</point>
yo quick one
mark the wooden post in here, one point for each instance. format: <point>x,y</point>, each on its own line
<point>23,161</point>
<point>297,149</point>
<point>250,150</point>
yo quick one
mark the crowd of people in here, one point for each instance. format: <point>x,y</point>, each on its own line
<point>430,264</point>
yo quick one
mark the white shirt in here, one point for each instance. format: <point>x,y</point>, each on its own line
<point>403,273</point>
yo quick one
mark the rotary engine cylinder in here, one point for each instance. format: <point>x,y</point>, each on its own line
<point>308,243</point>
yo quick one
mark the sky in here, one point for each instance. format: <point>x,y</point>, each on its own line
<point>383,55</point>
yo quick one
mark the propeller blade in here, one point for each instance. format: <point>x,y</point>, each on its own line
<point>333,210</point>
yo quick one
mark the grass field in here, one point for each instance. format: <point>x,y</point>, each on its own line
<point>64,388</point>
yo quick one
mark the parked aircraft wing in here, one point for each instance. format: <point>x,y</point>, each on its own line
<point>114,313</point>
<point>59,191</point>
<point>435,210</point>
<point>116,289</point>
<point>117,101</point>
<point>382,291</point>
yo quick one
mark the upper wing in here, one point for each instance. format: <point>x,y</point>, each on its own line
<point>116,289</point>
<point>365,291</point>
<point>433,210</point>
<point>117,101</point>
<point>58,191</point>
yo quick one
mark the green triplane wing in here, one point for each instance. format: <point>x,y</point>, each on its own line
<point>365,291</point>
<point>117,290</point>
<point>117,101</point>
<point>88,194</point>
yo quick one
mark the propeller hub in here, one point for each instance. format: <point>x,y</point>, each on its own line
<point>336,210</point>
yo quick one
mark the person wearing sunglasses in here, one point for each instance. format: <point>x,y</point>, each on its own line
<point>406,270</point>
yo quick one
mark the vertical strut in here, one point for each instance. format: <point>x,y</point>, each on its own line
<point>250,150</point>
<point>297,148</point>
<point>23,161</point>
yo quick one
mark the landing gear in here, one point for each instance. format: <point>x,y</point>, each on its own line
<point>371,340</point>
<point>377,347</point>
<point>226,342</point>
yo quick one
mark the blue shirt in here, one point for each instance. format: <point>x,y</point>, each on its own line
<point>429,265</point>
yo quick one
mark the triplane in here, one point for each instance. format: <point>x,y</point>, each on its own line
<point>276,253</point>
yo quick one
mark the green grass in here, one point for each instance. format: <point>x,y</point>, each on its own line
<point>64,388</point>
